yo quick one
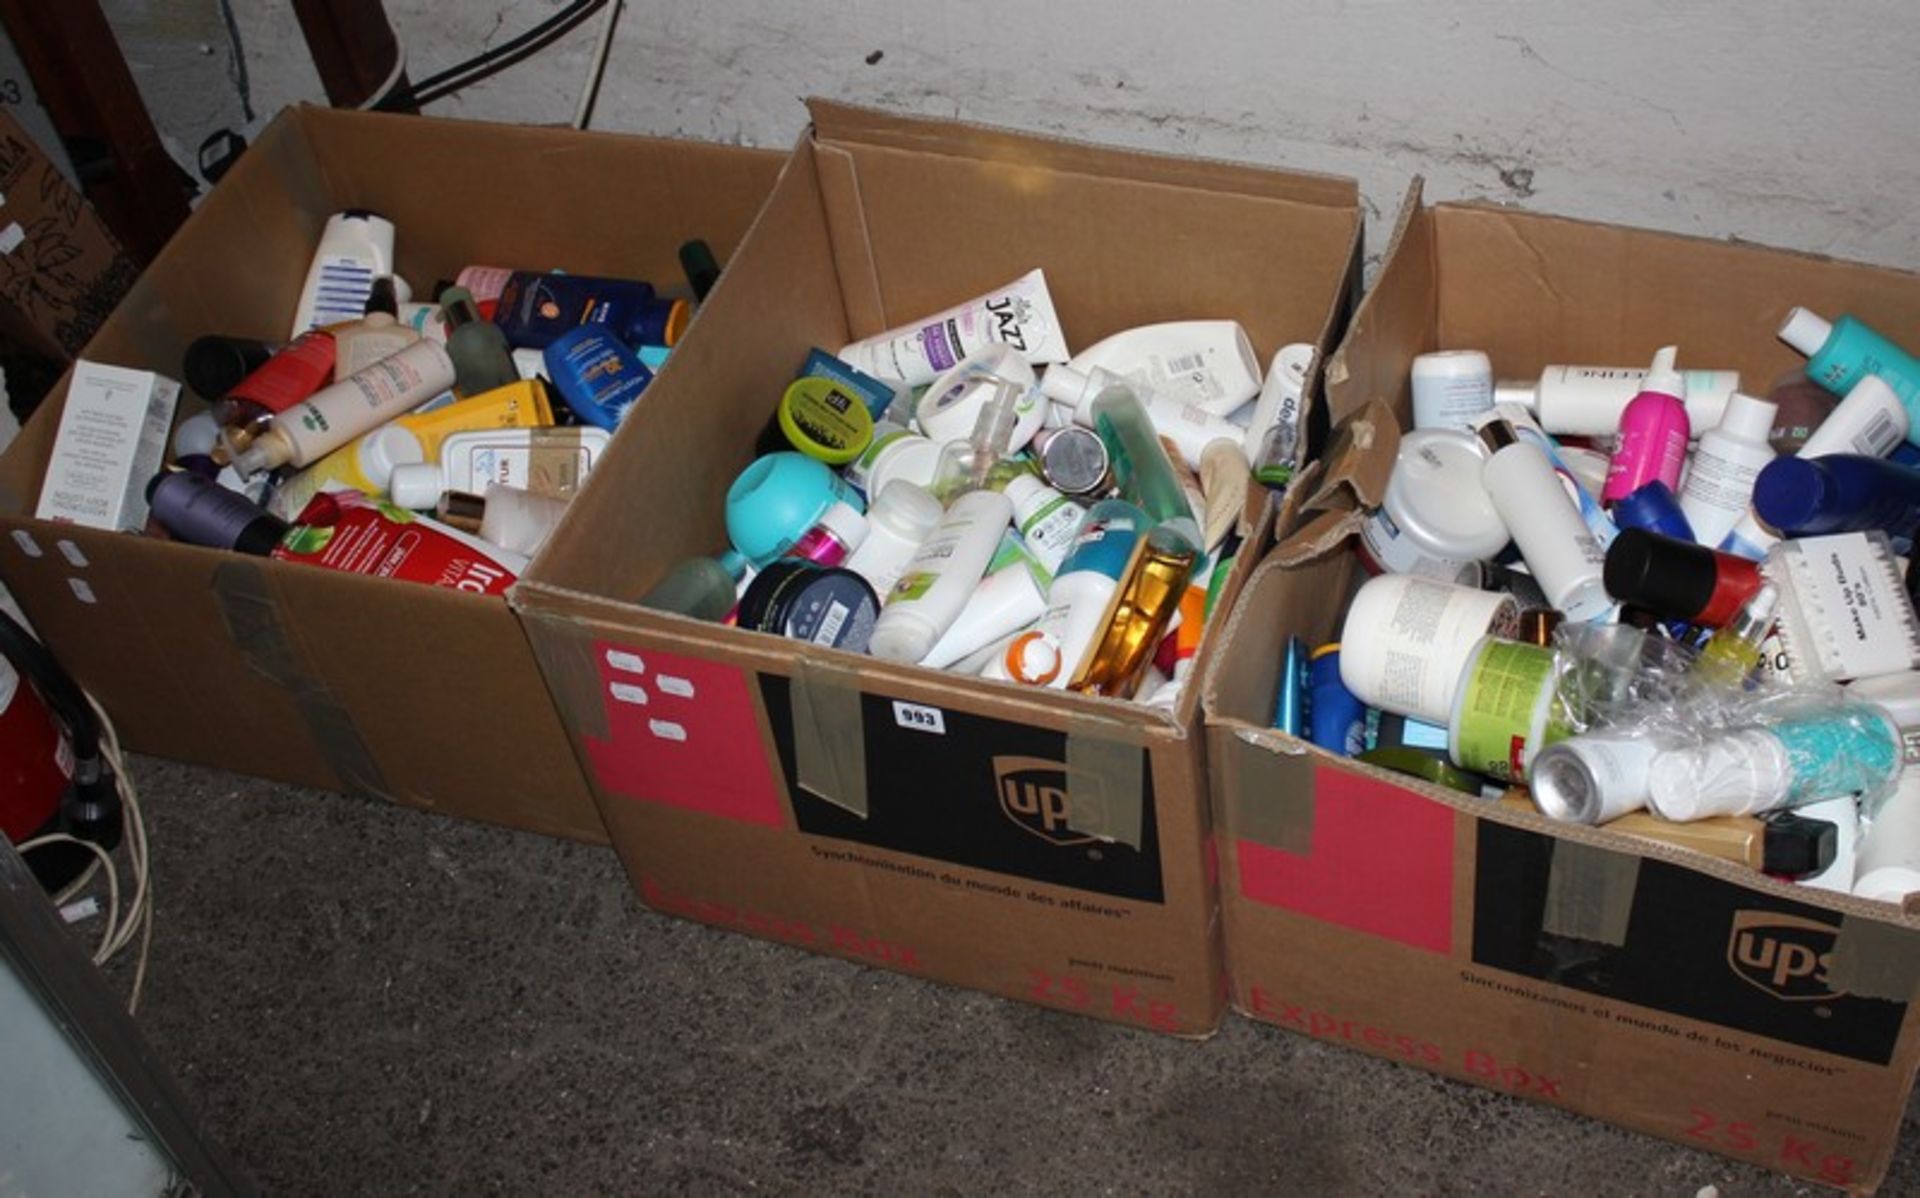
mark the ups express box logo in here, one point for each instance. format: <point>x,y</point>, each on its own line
<point>984,793</point>
<point>1695,946</point>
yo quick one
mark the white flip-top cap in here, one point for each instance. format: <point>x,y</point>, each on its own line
<point>1748,418</point>
<point>1063,384</point>
<point>1662,377</point>
<point>1805,331</point>
<point>845,522</point>
<point>416,486</point>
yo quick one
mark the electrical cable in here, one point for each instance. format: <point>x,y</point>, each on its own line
<point>379,94</point>
<point>480,66</point>
<point>596,67</point>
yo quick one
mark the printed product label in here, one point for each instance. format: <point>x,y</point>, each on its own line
<point>1390,549</point>
<point>1500,703</point>
<point>1865,613</point>
<point>913,586</point>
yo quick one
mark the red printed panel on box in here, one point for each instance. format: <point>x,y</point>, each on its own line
<point>1380,862</point>
<point>683,732</point>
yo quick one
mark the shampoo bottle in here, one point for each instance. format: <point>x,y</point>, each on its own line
<point>1841,353</point>
<point>1558,547</point>
<point>1719,484</point>
<point>941,576</point>
<point>356,247</point>
<point>1588,401</point>
<point>1653,433</point>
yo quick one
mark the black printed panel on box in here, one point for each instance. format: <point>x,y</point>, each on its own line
<point>1696,946</point>
<point>973,791</point>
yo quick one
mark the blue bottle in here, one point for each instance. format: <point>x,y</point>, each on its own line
<point>598,376</point>
<point>534,309</point>
<point>1654,508</point>
<point>1842,492</point>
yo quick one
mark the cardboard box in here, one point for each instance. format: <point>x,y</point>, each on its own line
<point>1644,985</point>
<point>61,270</point>
<point>1030,843</point>
<point>420,695</point>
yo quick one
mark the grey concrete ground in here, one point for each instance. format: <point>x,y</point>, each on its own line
<point>365,1000</point>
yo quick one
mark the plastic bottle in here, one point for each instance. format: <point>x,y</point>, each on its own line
<point>941,576</point>
<point>536,308</point>
<point>1653,433</point>
<point>376,335</point>
<point>700,266</point>
<point>301,368</point>
<point>1733,653</point>
<point>1588,401</point>
<point>1206,364</point>
<point>703,588</point>
<point>839,531</point>
<point>1006,601</point>
<point>598,376</point>
<point>1719,482</point>
<point>1277,433</point>
<point>1870,420</point>
<point>1835,749</point>
<point>1048,521</point>
<point>899,519</point>
<point>356,247</point>
<point>482,359</point>
<point>776,499</point>
<point>1019,314</point>
<point>1558,547</point>
<point>1190,429</point>
<point>332,417</point>
<point>1888,865</point>
<point>214,365</point>
<point>1084,586</point>
<point>1841,492</point>
<point>953,401</point>
<point>1841,353</point>
<point>1140,464</point>
<point>509,517</point>
<point>200,511</point>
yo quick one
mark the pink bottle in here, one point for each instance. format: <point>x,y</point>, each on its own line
<point>1653,433</point>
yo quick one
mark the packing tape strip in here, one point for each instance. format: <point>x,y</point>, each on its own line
<point>1872,959</point>
<point>1589,893</point>
<point>569,658</point>
<point>829,736</point>
<point>1270,795</point>
<point>253,622</point>
<point>1106,781</point>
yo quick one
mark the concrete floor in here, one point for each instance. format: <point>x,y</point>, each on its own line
<point>367,1000</point>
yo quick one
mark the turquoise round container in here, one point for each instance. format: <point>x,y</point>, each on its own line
<point>777,499</point>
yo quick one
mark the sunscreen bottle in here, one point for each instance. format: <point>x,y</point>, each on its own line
<point>356,247</point>
<point>941,576</point>
<point>331,417</point>
<point>598,376</point>
<point>1841,353</point>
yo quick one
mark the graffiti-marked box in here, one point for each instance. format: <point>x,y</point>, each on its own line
<point>1658,989</point>
<point>1031,843</point>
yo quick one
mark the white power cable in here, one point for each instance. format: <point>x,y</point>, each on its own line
<point>386,86</point>
<point>596,66</point>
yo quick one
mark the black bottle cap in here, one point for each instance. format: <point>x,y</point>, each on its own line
<point>215,365</point>
<point>1794,846</point>
<point>700,266</point>
<point>1666,576</point>
<point>382,298</point>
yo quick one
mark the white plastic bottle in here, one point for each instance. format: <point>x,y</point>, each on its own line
<point>1006,601</point>
<point>1047,520</point>
<point>1587,401</point>
<point>941,576</point>
<point>1559,549</point>
<point>335,415</point>
<point>1190,429</point>
<point>947,412</point>
<point>1719,484</point>
<point>1207,364</point>
<point>899,519</point>
<point>1451,388</point>
<point>1277,427</point>
<point>356,247</point>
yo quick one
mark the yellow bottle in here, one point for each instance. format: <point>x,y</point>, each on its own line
<point>1149,594</point>
<point>1732,652</point>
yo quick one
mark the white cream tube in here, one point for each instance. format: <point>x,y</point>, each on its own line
<point>1019,315</point>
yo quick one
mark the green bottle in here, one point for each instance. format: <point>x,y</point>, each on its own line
<point>482,360</point>
<point>1140,463</point>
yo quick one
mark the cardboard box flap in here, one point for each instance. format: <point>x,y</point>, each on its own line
<point>840,122</point>
<point>1395,319</point>
<point>1345,486</point>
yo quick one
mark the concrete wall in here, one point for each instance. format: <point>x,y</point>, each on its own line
<point>1785,124</point>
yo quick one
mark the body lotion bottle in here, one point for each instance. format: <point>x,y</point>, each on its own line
<point>1558,547</point>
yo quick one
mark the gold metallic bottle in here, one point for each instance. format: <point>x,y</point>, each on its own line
<point>1148,596</point>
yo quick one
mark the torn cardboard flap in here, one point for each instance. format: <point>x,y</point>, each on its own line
<point>1269,792</point>
<point>1590,893</point>
<point>829,738</point>
<point>1106,781</point>
<point>1350,483</point>
<point>253,619</point>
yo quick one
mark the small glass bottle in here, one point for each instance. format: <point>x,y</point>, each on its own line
<point>1733,652</point>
